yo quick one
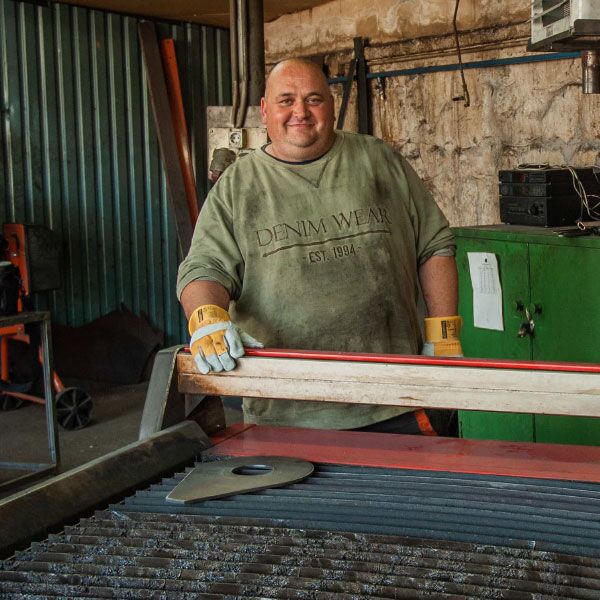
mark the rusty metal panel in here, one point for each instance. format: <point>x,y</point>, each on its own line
<point>79,154</point>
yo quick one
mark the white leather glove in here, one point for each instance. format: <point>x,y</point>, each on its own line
<point>216,342</point>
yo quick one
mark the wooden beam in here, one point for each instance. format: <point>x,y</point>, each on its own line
<point>385,384</point>
<point>166,133</point>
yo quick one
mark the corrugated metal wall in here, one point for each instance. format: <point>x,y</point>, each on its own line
<point>79,152</point>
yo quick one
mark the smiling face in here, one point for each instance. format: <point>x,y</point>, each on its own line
<point>298,112</point>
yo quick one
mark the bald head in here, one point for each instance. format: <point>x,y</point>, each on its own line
<point>298,111</point>
<point>297,65</point>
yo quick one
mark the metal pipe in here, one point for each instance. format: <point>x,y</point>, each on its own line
<point>406,359</point>
<point>233,49</point>
<point>243,61</point>
<point>49,397</point>
<point>590,69</point>
<point>465,95</point>
<point>585,225</point>
<point>4,369</point>
<point>477,64</point>
<point>256,51</point>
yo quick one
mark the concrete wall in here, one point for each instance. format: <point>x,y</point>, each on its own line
<point>525,113</point>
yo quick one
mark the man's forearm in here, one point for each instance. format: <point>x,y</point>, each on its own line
<point>200,292</point>
<point>439,283</point>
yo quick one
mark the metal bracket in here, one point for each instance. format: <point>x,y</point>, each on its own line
<point>164,405</point>
<point>237,476</point>
<point>359,65</point>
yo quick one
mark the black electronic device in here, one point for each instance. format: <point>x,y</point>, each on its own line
<point>549,190</point>
<point>36,251</point>
<point>548,175</point>
<point>547,197</point>
<point>540,210</point>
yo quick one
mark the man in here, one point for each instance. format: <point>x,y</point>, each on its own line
<point>319,241</point>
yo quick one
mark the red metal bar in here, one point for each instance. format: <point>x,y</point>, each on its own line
<point>169,58</point>
<point>484,457</point>
<point>4,374</point>
<point>27,397</point>
<point>405,359</point>
<point>57,382</point>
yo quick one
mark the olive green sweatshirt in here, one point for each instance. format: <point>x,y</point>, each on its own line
<point>320,256</point>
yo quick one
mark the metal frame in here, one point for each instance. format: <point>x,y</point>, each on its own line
<point>416,382</point>
<point>416,452</point>
<point>38,469</point>
<point>49,504</point>
<point>164,405</point>
<point>391,380</point>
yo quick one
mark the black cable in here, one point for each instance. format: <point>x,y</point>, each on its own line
<point>465,95</point>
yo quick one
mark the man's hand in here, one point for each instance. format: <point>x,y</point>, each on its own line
<point>442,336</point>
<point>216,342</point>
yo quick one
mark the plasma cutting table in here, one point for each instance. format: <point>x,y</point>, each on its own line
<point>387,516</point>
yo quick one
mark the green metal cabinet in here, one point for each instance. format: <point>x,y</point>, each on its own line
<point>558,280</point>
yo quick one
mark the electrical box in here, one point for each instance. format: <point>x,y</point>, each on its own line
<point>36,251</point>
<point>240,140</point>
<point>565,24</point>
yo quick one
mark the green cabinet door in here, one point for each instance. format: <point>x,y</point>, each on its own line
<point>565,290</point>
<point>513,269</point>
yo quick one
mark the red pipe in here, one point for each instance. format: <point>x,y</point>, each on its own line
<point>486,363</point>
<point>57,382</point>
<point>4,374</point>
<point>27,397</point>
<point>169,58</point>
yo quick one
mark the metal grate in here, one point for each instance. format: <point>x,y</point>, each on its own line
<point>555,10</point>
<point>550,515</point>
<point>324,539</point>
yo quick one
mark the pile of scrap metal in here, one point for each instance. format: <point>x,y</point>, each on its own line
<point>375,515</point>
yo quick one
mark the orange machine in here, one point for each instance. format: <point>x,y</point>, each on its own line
<point>34,251</point>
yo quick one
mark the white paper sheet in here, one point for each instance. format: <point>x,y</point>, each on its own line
<point>487,293</point>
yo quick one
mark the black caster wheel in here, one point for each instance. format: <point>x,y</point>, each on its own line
<point>9,402</point>
<point>73,408</point>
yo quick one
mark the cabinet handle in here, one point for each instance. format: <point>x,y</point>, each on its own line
<point>527,326</point>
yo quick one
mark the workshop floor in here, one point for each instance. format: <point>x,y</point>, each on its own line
<point>115,423</point>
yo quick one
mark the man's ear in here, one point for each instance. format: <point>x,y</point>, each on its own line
<point>263,110</point>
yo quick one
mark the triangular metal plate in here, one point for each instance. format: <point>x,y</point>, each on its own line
<point>238,476</point>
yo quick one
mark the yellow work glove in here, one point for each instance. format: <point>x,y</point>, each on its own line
<point>216,342</point>
<point>442,336</point>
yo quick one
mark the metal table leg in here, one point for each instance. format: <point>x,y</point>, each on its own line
<point>38,469</point>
